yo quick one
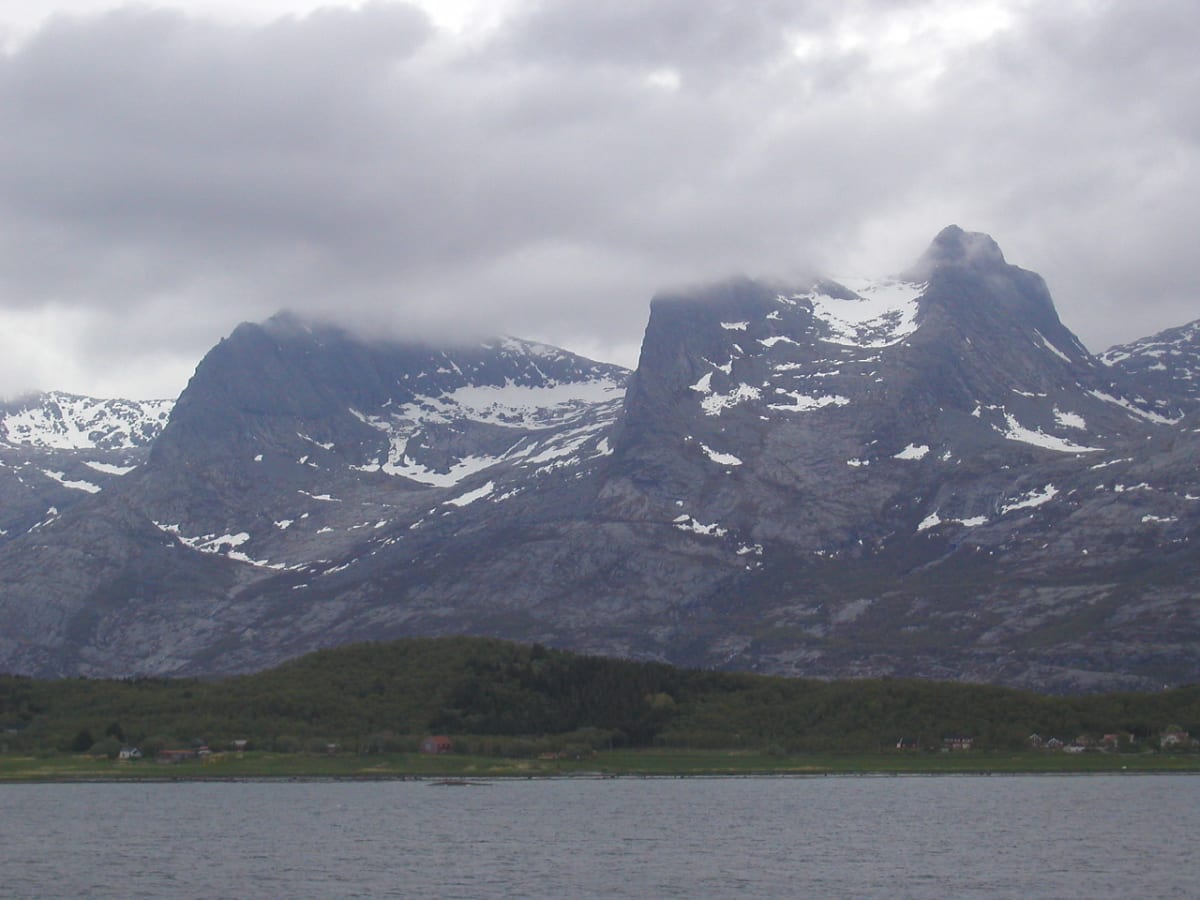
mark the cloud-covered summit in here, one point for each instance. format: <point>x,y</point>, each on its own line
<point>165,175</point>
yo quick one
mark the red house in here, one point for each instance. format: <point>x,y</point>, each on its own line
<point>438,743</point>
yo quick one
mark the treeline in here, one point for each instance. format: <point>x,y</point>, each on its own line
<point>502,698</point>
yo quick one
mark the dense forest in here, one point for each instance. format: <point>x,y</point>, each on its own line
<point>501,698</point>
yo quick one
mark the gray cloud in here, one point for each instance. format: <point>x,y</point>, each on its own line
<point>715,36</point>
<point>163,177</point>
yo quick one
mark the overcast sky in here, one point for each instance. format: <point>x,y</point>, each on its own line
<point>541,168</point>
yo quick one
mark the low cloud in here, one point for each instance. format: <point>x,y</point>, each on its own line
<point>165,176</point>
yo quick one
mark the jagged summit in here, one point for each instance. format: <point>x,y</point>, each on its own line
<point>955,247</point>
<point>963,276</point>
<point>969,282</point>
<point>287,323</point>
<point>337,388</point>
<point>793,398</point>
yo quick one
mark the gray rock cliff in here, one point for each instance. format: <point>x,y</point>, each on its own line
<point>920,475</point>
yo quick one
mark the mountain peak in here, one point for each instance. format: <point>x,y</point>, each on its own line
<point>955,247</point>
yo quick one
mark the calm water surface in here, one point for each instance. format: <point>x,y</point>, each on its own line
<point>1048,836</point>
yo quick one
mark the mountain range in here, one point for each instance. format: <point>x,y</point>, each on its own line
<point>921,475</point>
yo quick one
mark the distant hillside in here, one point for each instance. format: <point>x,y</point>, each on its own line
<point>504,698</point>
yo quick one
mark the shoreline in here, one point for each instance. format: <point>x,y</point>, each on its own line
<point>452,769</point>
<point>487,780</point>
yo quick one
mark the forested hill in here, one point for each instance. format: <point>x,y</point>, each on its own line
<point>500,697</point>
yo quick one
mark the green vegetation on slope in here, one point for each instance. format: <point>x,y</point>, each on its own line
<point>503,699</point>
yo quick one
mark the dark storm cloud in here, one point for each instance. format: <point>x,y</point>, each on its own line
<point>169,176</point>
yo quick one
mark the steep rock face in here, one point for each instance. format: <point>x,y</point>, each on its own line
<point>922,475</point>
<point>928,474</point>
<point>297,453</point>
<point>99,587</point>
<point>285,426</point>
<point>833,415</point>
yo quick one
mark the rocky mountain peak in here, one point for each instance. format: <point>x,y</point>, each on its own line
<point>290,408</point>
<point>972,290</point>
<point>286,323</point>
<point>955,247</point>
<point>745,387</point>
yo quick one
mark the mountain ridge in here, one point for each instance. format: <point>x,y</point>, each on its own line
<point>922,475</point>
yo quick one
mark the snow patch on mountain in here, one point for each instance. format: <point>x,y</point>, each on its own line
<point>564,418</point>
<point>724,459</point>
<point>1015,431</point>
<point>1030,499</point>
<point>322,444</point>
<point>934,519</point>
<point>930,521</point>
<point>518,405</point>
<point>1049,346</point>
<point>882,312</point>
<point>221,545</point>
<point>1134,410</point>
<point>1158,520</point>
<point>714,404</point>
<point>61,478</point>
<point>510,405</point>
<point>687,523</point>
<point>471,496</point>
<point>568,447</point>
<point>61,421</point>
<point>208,543</point>
<point>1069,419</point>
<point>399,463</point>
<point>109,468</point>
<point>806,403</point>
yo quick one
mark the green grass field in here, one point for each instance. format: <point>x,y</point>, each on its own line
<point>614,763</point>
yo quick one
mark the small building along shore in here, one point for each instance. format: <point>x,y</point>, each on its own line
<point>437,743</point>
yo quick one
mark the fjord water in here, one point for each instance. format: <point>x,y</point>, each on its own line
<point>1012,836</point>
